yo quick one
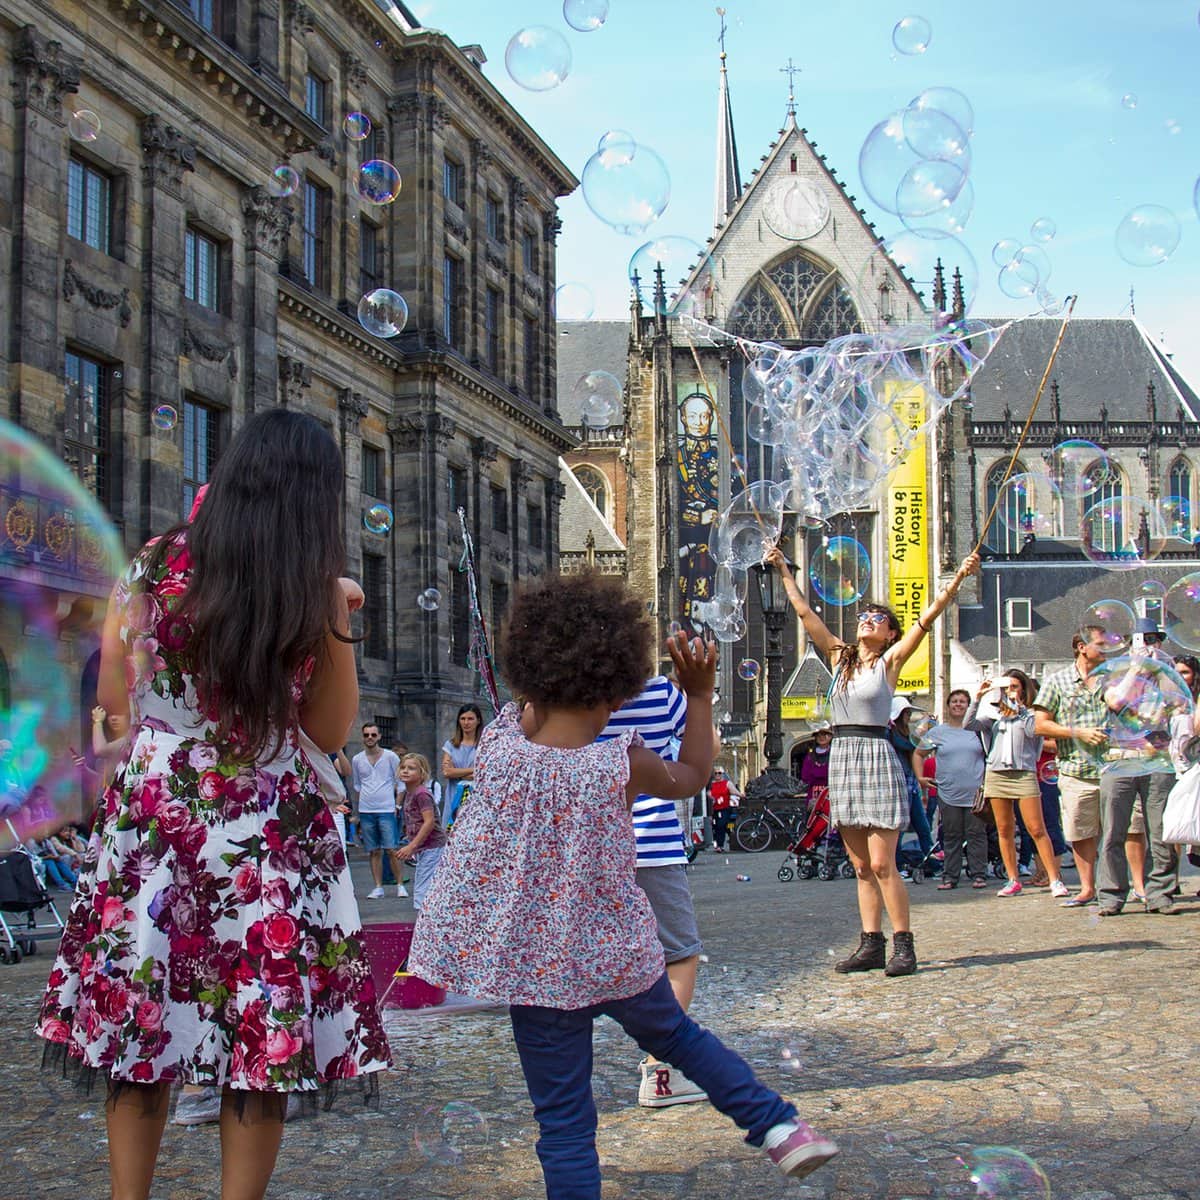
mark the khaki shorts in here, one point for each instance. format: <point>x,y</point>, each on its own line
<point>1080,804</point>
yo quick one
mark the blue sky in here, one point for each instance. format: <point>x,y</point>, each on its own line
<point>1052,138</point>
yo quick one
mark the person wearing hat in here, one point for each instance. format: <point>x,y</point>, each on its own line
<point>724,800</point>
<point>1148,638</point>
<point>814,770</point>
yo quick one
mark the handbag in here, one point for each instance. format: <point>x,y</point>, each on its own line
<point>1181,817</point>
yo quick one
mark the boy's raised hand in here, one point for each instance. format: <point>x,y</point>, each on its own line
<point>695,664</point>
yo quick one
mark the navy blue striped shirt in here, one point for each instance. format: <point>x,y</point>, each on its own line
<point>658,715</point>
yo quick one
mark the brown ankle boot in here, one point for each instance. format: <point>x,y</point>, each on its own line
<point>868,957</point>
<point>904,956</point>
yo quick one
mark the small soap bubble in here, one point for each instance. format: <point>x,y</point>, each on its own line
<point>1182,608</point>
<point>537,58</point>
<point>749,669</point>
<point>840,571</point>
<point>678,256</point>
<point>912,35</point>
<point>1114,620</point>
<point>1080,468</point>
<point>1129,101</point>
<point>950,101</point>
<point>574,302</point>
<point>1043,230</point>
<point>453,1135</point>
<point>1176,512</point>
<point>378,519</point>
<point>378,182</point>
<point>1002,1173</point>
<point>598,397</point>
<point>586,16</point>
<point>1027,504</point>
<point>84,125</point>
<point>284,181</point>
<point>356,126</point>
<point>383,312</point>
<point>626,185</point>
<point>1004,251</point>
<point>429,600</point>
<point>1172,126</point>
<point>164,417</point>
<point>1122,533</point>
<point>1147,235</point>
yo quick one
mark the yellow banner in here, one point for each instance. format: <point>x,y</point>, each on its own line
<point>907,528</point>
<point>800,708</point>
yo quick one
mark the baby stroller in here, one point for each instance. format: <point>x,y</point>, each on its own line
<point>21,897</point>
<point>818,850</point>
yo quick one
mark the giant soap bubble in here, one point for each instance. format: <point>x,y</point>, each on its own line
<point>1142,696</point>
<point>59,557</point>
<point>1121,533</point>
<point>538,58</point>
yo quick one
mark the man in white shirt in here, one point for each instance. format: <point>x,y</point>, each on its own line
<point>375,772</point>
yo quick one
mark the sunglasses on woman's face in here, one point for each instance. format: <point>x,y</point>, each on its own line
<point>872,618</point>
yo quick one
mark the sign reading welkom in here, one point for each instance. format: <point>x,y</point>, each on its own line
<point>906,529</point>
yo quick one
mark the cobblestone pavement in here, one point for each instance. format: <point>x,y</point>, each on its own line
<point>1028,1026</point>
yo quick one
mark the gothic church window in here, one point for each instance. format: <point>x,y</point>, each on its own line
<point>596,486</point>
<point>757,316</point>
<point>796,300</point>
<point>1179,493</point>
<point>1004,533</point>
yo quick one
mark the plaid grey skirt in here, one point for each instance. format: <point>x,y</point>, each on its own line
<point>866,784</point>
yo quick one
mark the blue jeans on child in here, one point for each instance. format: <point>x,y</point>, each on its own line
<point>555,1047</point>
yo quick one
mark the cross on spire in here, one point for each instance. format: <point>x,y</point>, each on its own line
<point>721,35</point>
<point>791,71</point>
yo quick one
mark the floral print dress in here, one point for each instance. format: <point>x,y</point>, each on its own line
<point>213,937</point>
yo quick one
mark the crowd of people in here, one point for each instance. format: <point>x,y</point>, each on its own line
<point>214,939</point>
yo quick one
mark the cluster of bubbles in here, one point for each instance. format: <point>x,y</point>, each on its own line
<point>429,600</point>
<point>83,125</point>
<point>538,57</point>
<point>597,397</point>
<point>915,164</point>
<point>625,184</point>
<point>1024,266</point>
<point>1117,532</point>
<point>61,556</point>
<point>452,1135</point>
<point>379,518</point>
<point>840,417</point>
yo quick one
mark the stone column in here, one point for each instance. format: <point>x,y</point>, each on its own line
<point>352,407</point>
<point>166,157</point>
<point>43,73</point>
<point>551,225</point>
<point>556,493</point>
<point>267,221</point>
<point>264,40</point>
<point>483,454</point>
<point>522,476</point>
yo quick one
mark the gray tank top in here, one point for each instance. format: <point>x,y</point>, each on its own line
<point>865,700</point>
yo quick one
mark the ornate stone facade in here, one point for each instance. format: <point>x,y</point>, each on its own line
<point>158,253</point>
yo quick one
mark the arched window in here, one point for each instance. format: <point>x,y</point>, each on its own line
<point>596,486</point>
<point>799,299</point>
<point>1177,508</point>
<point>1107,534</point>
<point>1004,534</point>
<point>757,315</point>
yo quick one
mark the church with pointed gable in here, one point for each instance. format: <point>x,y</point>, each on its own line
<point>794,260</point>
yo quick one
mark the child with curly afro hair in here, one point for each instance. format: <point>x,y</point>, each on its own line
<point>536,904</point>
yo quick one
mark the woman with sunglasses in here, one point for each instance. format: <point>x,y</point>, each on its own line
<point>867,792</point>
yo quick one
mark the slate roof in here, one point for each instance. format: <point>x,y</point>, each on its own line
<point>585,346</point>
<point>1103,362</point>
<point>1061,592</point>
<point>577,514</point>
<point>810,678</point>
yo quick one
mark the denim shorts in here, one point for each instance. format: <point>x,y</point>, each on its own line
<point>378,831</point>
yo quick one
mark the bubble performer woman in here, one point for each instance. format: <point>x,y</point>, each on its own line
<point>868,797</point>
<point>214,938</point>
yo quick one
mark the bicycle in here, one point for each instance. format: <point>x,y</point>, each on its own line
<point>755,832</point>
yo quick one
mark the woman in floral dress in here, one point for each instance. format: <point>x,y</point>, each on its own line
<point>214,937</point>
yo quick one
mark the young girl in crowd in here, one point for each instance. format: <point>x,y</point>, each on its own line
<point>214,937</point>
<point>425,840</point>
<point>458,759</point>
<point>1011,777</point>
<point>537,904</point>
<point>868,796</point>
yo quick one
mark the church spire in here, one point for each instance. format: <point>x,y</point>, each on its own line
<point>728,188</point>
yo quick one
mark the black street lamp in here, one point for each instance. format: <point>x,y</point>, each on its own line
<point>774,783</point>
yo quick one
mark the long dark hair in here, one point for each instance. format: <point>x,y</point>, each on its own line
<point>1193,663</point>
<point>1028,687</point>
<point>457,736</point>
<point>849,659</point>
<point>267,548</point>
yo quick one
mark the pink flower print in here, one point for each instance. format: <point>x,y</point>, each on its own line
<point>277,894</point>
<point>149,1015</point>
<point>146,799</point>
<point>210,786</point>
<point>112,913</point>
<point>145,661</point>
<point>202,756</point>
<point>281,1046</point>
<point>173,821</point>
<point>246,883</point>
<point>142,613</point>
<point>281,932</point>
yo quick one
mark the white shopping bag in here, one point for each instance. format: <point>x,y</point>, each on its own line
<point>1181,818</point>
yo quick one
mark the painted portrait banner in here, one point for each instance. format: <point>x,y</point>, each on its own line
<point>906,528</point>
<point>697,466</point>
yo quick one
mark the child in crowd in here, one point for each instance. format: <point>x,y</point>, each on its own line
<point>537,905</point>
<point>425,839</point>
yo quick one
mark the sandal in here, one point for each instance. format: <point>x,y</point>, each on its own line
<point>979,883</point>
<point>946,885</point>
